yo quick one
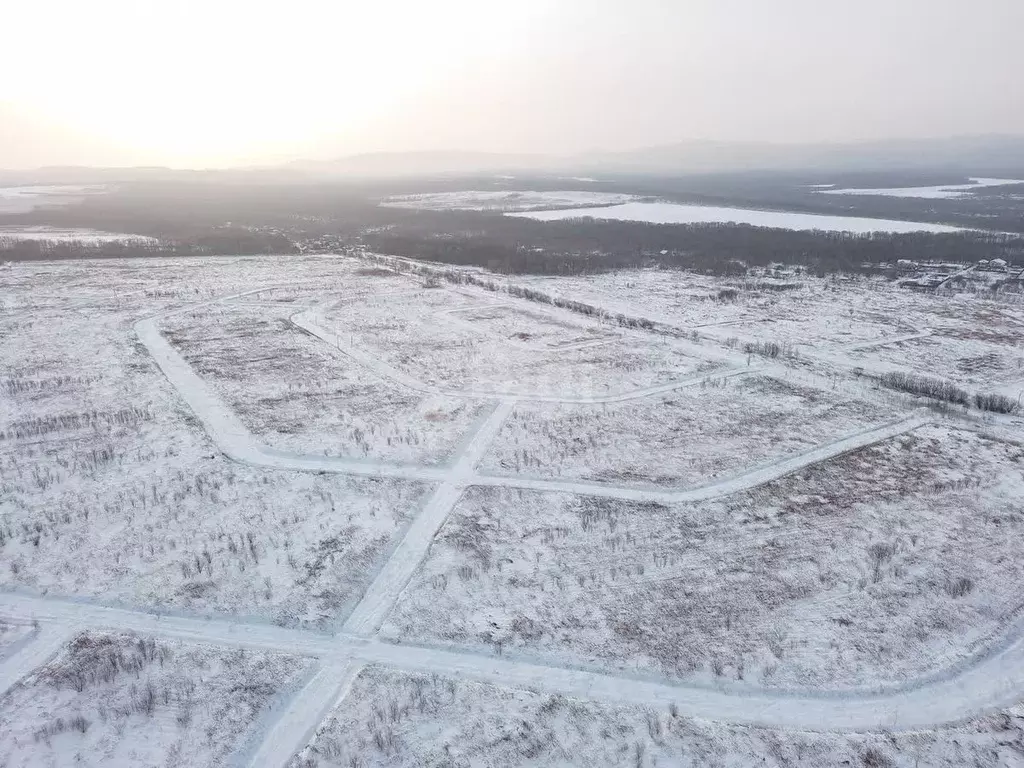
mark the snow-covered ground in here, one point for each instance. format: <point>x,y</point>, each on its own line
<point>59,235</point>
<point>12,634</point>
<point>125,700</point>
<point>399,719</point>
<point>857,572</point>
<point>942,192</point>
<point>683,439</point>
<point>299,394</point>
<point>504,200</point>
<point>462,343</point>
<point>675,213</point>
<point>99,455</point>
<point>263,451</point>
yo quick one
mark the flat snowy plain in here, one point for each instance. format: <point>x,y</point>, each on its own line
<point>307,511</point>
<point>59,235</point>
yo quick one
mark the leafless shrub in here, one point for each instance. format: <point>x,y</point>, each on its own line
<point>639,750</point>
<point>959,587</point>
<point>937,389</point>
<point>995,402</point>
<point>68,422</point>
<point>771,349</point>
<point>879,554</point>
<point>875,758</point>
<point>654,726</point>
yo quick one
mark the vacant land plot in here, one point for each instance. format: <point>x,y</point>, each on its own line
<point>795,308</point>
<point>877,566</point>
<point>408,333</point>
<point>538,330</point>
<point>684,439</point>
<point>346,278</point>
<point>110,490</point>
<point>122,522</point>
<point>981,359</point>
<point>297,393</point>
<point>113,699</point>
<point>396,719</point>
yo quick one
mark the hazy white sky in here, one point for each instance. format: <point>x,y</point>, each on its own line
<point>223,82</point>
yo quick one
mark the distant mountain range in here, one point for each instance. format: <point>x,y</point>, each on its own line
<point>979,155</point>
<point>969,154</point>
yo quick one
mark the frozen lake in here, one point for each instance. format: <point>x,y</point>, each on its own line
<point>673,213</point>
<point>505,200</point>
<point>932,193</point>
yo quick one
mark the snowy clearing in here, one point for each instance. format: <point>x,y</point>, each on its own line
<point>298,394</point>
<point>724,517</point>
<point>679,440</point>
<point>426,341</point>
<point>120,699</point>
<point>58,235</point>
<point>674,213</point>
<point>399,719</point>
<point>879,565</point>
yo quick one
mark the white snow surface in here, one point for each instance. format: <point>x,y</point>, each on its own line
<point>64,234</point>
<point>867,579</point>
<point>127,700</point>
<point>677,213</point>
<point>392,718</point>
<point>506,200</point>
<point>942,192</point>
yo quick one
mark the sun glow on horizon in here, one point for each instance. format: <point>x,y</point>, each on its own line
<point>220,83</point>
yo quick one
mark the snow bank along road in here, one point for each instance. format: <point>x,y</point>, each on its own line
<point>988,681</point>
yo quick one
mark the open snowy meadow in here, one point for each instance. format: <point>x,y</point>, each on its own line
<point>350,511</point>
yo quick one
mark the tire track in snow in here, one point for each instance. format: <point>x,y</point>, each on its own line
<point>49,639</point>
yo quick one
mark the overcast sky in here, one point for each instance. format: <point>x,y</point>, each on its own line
<point>224,82</point>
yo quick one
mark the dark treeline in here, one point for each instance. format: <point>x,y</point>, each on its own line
<point>228,243</point>
<point>518,245</point>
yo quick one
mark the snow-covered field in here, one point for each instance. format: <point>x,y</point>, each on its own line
<point>313,456</point>
<point>399,719</point>
<point>943,192</point>
<point>60,235</point>
<point>125,700</point>
<point>467,343</point>
<point>503,200</point>
<point>675,213</point>
<point>98,455</point>
<point>299,394</point>
<point>683,439</point>
<point>860,571</point>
